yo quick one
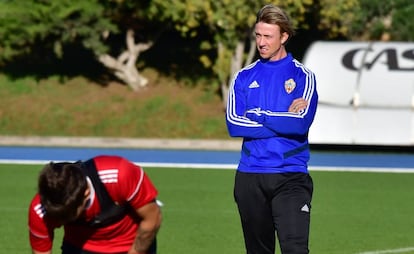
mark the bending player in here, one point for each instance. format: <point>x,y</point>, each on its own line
<point>106,205</point>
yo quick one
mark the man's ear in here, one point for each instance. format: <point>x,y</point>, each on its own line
<point>285,37</point>
<point>87,191</point>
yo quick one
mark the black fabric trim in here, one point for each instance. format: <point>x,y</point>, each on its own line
<point>295,151</point>
<point>110,211</point>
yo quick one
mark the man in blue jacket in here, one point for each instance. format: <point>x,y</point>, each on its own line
<point>271,105</point>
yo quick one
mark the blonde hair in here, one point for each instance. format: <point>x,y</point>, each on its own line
<point>271,14</point>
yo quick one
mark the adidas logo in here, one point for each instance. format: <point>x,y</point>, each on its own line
<point>305,208</point>
<point>254,84</point>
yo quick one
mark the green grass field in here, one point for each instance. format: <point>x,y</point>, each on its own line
<point>352,212</point>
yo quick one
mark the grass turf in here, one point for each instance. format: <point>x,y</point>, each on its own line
<point>352,212</point>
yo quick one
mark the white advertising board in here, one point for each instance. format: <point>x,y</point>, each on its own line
<point>366,92</point>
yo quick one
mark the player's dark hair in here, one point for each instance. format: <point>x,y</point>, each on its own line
<point>62,187</point>
<point>271,14</point>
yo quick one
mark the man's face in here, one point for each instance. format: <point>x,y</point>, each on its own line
<point>269,40</point>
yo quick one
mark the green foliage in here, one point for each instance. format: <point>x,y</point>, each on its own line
<point>26,26</point>
<point>384,20</point>
<point>336,17</point>
<point>46,28</point>
<point>402,27</point>
<point>230,22</point>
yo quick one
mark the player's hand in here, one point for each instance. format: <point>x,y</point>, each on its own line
<point>298,105</point>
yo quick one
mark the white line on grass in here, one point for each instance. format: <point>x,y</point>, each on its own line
<point>362,169</point>
<point>228,166</point>
<point>142,164</point>
<point>402,250</point>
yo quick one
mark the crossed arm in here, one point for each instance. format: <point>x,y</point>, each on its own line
<point>294,122</point>
<point>251,125</point>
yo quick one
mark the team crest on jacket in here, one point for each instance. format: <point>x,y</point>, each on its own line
<point>290,85</point>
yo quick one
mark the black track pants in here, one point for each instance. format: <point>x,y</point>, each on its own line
<point>271,204</point>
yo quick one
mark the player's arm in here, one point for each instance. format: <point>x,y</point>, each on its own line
<point>299,115</point>
<point>294,122</point>
<point>41,231</point>
<point>43,244</point>
<point>40,245</point>
<point>150,215</point>
<point>238,125</point>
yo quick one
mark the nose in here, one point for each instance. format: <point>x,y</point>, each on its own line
<point>259,41</point>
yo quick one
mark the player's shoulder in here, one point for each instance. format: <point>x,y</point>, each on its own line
<point>36,208</point>
<point>246,70</point>
<point>103,162</point>
<point>112,161</point>
<point>108,159</point>
<point>301,67</point>
<point>35,200</point>
<point>116,169</point>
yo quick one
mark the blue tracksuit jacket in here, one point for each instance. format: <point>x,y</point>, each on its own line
<point>274,140</point>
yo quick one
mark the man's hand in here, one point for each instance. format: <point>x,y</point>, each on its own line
<point>298,105</point>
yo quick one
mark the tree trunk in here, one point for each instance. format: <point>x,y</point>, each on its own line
<point>124,67</point>
<point>235,65</point>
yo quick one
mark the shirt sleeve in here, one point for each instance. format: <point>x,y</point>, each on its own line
<point>288,123</point>
<point>41,230</point>
<point>139,189</point>
<point>238,125</point>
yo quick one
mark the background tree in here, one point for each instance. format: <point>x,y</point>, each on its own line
<point>332,18</point>
<point>39,31</point>
<point>42,33</point>
<point>44,29</point>
<point>384,20</point>
<point>230,24</point>
<point>131,18</point>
